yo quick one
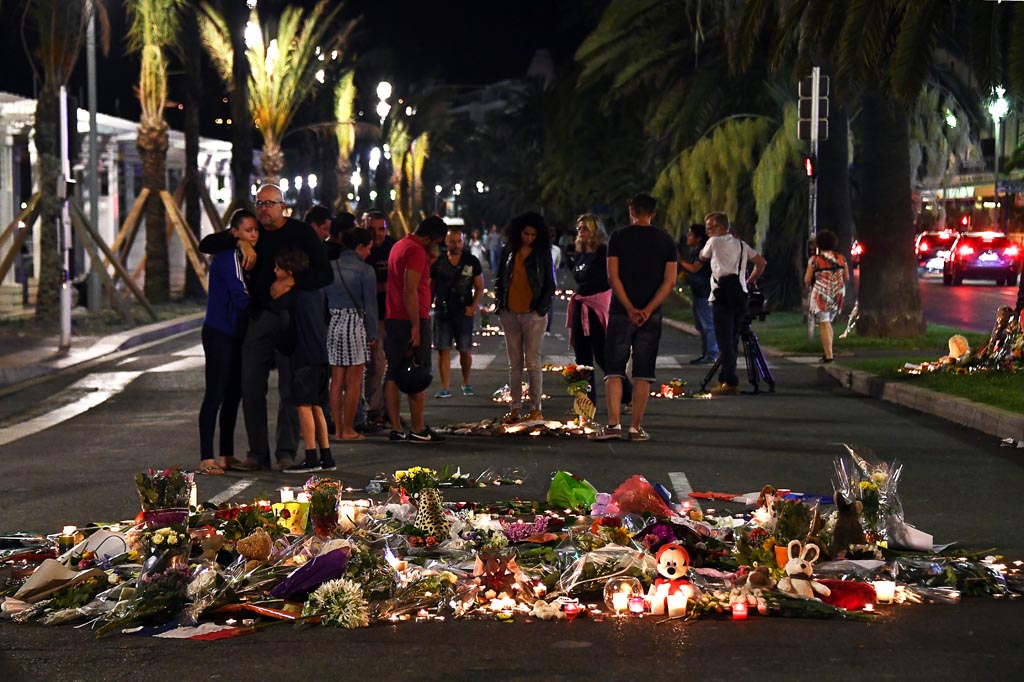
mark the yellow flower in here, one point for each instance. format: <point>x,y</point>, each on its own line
<point>769,545</point>
<point>400,475</point>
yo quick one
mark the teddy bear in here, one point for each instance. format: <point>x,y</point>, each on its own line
<point>798,570</point>
<point>673,568</point>
<point>749,589</point>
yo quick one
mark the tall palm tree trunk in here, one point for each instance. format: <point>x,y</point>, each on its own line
<point>237,14</point>
<point>890,301</point>
<point>272,161</point>
<point>47,140</point>
<point>152,144</point>
<point>193,93</point>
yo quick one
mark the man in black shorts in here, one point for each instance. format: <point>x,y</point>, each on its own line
<point>457,283</point>
<point>642,272</point>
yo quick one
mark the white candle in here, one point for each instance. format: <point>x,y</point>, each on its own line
<point>287,495</point>
<point>347,516</point>
<point>620,602</point>
<point>302,497</point>
<point>676,605</point>
<point>193,496</point>
<point>656,603</point>
<point>885,591</point>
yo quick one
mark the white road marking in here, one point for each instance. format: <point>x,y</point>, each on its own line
<point>682,488</point>
<point>196,350</point>
<point>181,365</point>
<point>235,489</point>
<point>104,385</point>
<point>663,361</point>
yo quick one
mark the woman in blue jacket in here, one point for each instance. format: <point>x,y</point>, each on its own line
<point>223,330</point>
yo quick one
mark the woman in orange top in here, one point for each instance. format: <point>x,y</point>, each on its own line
<point>525,286</point>
<point>826,276</point>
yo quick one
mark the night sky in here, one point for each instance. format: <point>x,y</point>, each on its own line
<point>457,42</point>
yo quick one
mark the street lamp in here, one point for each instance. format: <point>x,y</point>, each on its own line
<point>437,197</point>
<point>997,109</point>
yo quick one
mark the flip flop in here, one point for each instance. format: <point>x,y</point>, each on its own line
<point>213,470</point>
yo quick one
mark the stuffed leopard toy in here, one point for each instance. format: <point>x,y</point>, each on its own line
<point>430,516</point>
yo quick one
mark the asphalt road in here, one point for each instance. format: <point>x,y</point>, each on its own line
<point>957,484</point>
<point>970,306</point>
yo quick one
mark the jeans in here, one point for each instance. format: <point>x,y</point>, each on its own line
<point>223,391</point>
<point>524,333</point>
<point>727,330</point>
<point>703,320</point>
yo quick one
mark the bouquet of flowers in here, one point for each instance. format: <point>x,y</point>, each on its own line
<point>577,378</point>
<point>411,481</point>
<point>323,505</point>
<point>874,484</point>
<point>167,489</point>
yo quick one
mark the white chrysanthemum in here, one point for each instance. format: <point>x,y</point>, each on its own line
<point>341,602</point>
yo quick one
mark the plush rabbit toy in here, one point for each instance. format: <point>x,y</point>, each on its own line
<point>798,571</point>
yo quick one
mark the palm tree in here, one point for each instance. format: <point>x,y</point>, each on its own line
<point>153,26</point>
<point>56,31</point>
<point>344,106</point>
<point>281,70</point>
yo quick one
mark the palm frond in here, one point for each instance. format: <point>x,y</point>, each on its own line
<point>915,45</point>
<point>153,22</point>
<point>216,37</point>
<point>53,33</point>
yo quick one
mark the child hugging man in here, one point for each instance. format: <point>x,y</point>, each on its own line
<point>306,346</point>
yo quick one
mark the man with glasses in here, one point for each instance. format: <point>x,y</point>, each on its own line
<point>265,327</point>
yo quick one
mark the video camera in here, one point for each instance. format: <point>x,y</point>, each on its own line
<point>756,305</point>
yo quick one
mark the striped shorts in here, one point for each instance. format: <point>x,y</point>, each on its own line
<point>346,338</point>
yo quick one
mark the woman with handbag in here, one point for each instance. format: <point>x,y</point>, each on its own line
<point>729,257</point>
<point>352,330</point>
<point>826,277</point>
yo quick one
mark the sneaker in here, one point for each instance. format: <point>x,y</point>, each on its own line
<point>511,417</point>
<point>425,436</point>
<point>534,416</point>
<point>398,436</point>
<point>697,361</point>
<point>248,464</point>
<point>307,467</point>
<point>626,409</point>
<point>284,463</point>
<point>443,393</point>
<point>327,464</point>
<point>468,390</point>
<point>608,433</point>
<point>638,435</point>
<point>708,360</point>
<point>725,389</point>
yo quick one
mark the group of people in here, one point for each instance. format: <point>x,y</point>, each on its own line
<point>343,311</point>
<point>328,303</point>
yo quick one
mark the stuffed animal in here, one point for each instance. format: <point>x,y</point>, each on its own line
<point>799,570</point>
<point>673,569</point>
<point>848,529</point>
<point>546,611</point>
<point>749,589</point>
<point>430,517</point>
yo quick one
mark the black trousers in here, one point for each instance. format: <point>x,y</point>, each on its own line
<point>727,332</point>
<point>259,355</point>
<point>589,351</point>
<point>223,391</point>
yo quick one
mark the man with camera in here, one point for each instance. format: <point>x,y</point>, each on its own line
<point>730,284</point>
<point>457,282</point>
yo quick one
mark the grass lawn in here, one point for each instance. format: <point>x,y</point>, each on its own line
<point>787,332</point>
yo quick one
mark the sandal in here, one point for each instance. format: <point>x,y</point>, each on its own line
<point>358,436</point>
<point>211,470</point>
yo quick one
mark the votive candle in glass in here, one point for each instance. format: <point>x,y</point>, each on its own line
<point>620,602</point>
<point>636,606</point>
<point>739,611</point>
<point>885,591</point>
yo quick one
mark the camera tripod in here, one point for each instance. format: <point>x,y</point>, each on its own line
<point>757,366</point>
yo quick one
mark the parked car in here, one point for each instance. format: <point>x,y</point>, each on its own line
<point>931,248</point>
<point>982,255</point>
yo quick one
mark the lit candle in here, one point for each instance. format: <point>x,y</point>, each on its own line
<point>571,609</point>
<point>676,605</point>
<point>347,516</point>
<point>636,606</point>
<point>620,602</point>
<point>656,604</point>
<point>287,495</point>
<point>67,539</point>
<point>193,496</point>
<point>739,611</point>
<point>302,498</point>
<point>869,607</point>
<point>885,591</point>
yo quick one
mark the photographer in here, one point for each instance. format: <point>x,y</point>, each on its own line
<point>729,257</point>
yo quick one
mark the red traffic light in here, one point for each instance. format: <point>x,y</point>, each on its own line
<point>809,168</point>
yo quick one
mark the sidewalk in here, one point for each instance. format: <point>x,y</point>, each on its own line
<point>25,357</point>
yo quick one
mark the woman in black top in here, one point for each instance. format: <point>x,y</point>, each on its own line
<point>588,309</point>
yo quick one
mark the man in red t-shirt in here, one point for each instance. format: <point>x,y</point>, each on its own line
<point>408,301</point>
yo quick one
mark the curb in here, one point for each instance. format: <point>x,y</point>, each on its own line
<point>985,418</point>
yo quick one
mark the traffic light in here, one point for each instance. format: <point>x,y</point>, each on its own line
<point>805,120</point>
<point>810,166</point>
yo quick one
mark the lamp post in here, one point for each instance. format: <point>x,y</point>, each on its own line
<point>997,109</point>
<point>437,198</point>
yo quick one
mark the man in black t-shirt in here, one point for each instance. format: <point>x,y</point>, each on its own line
<point>456,284</point>
<point>642,272</point>
<point>373,386</point>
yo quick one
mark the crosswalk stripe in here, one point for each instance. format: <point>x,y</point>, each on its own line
<point>233,489</point>
<point>682,488</point>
